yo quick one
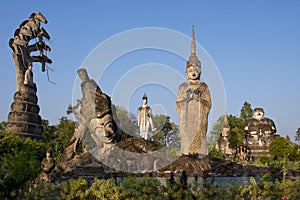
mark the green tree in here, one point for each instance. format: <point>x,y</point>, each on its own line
<point>126,121</point>
<point>236,134</point>
<point>58,136</point>
<point>3,125</point>
<point>246,111</point>
<point>167,131</point>
<point>20,162</point>
<point>215,133</point>
<point>279,148</point>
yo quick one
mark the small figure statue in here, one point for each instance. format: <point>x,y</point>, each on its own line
<point>259,129</point>
<point>28,78</point>
<point>48,165</point>
<point>145,118</point>
<point>193,104</point>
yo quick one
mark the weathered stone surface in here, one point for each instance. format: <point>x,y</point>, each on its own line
<point>137,145</point>
<point>227,168</point>
<point>191,165</point>
<point>193,105</point>
<point>259,134</point>
<point>23,116</point>
<point>25,106</point>
<point>24,119</point>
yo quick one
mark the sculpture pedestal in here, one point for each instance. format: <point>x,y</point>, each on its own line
<point>24,119</point>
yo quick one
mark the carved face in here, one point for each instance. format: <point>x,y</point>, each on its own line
<point>82,73</point>
<point>258,113</point>
<point>192,73</point>
<point>104,126</point>
<point>144,101</point>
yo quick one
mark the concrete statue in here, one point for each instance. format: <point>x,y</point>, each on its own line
<point>24,119</point>
<point>223,141</point>
<point>260,131</point>
<point>145,118</point>
<point>94,114</point>
<point>48,164</point>
<point>193,105</point>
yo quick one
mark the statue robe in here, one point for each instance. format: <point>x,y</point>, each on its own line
<point>144,121</point>
<point>193,105</point>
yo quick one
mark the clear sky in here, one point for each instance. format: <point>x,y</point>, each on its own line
<point>254,45</point>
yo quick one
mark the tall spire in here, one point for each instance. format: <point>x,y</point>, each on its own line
<point>193,45</point>
<point>226,124</point>
<point>193,59</point>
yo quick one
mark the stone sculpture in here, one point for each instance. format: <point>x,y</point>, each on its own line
<point>94,114</point>
<point>223,141</point>
<point>24,119</point>
<point>193,105</point>
<point>48,165</point>
<point>259,134</point>
<point>259,129</point>
<point>145,118</point>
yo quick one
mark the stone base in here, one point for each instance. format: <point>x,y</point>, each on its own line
<point>24,119</point>
<point>257,151</point>
<point>190,165</point>
<point>134,156</point>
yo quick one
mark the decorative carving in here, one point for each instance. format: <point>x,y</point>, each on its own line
<point>193,104</point>
<point>24,119</point>
<point>96,123</point>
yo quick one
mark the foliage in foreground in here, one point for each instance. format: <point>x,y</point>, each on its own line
<point>151,188</point>
<point>20,162</point>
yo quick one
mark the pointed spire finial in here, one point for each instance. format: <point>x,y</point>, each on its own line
<point>193,59</point>
<point>225,119</point>
<point>193,46</point>
<point>145,96</point>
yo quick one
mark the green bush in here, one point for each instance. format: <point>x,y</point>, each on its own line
<point>151,188</point>
<point>20,162</point>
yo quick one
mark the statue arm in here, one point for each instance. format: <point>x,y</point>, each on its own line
<point>139,117</point>
<point>180,97</point>
<point>150,118</point>
<point>205,97</point>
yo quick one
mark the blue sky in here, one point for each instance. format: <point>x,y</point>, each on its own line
<point>255,46</point>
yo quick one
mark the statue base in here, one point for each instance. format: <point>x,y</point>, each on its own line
<point>24,119</point>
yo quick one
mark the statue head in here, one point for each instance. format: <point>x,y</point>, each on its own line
<point>83,75</point>
<point>30,65</point>
<point>145,99</point>
<point>192,72</point>
<point>48,153</point>
<point>258,113</point>
<point>193,62</point>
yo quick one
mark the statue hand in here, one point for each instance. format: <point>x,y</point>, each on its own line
<point>205,103</point>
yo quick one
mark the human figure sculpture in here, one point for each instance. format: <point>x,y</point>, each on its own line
<point>48,165</point>
<point>259,129</point>
<point>193,105</point>
<point>145,118</point>
<point>28,78</point>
